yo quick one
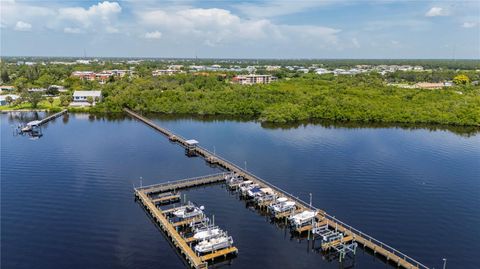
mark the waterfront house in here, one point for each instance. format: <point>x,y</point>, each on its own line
<point>3,98</point>
<point>80,98</point>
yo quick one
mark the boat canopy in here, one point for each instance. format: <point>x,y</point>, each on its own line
<point>191,142</point>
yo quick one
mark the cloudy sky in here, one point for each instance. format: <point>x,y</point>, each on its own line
<point>242,29</point>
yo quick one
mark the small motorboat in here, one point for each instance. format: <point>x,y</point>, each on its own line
<point>301,219</point>
<point>265,198</point>
<point>189,211</point>
<point>283,207</point>
<point>244,185</point>
<point>245,189</point>
<point>213,244</point>
<point>206,234</point>
<point>233,181</point>
<point>276,202</point>
<point>253,192</point>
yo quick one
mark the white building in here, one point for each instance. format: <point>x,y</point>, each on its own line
<point>80,98</point>
<point>165,72</point>
<point>254,79</point>
<point>3,98</point>
<point>321,71</point>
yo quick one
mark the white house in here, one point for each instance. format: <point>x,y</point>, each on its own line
<point>80,98</point>
<point>3,98</point>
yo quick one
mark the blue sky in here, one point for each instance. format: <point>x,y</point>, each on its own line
<point>242,29</point>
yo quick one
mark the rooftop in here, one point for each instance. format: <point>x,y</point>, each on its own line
<point>87,93</point>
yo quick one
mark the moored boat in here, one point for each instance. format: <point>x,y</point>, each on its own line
<point>213,244</point>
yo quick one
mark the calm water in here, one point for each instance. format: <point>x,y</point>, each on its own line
<point>67,201</point>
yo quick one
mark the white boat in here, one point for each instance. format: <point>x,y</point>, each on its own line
<point>233,181</point>
<point>255,191</point>
<point>265,198</point>
<point>276,202</point>
<point>245,189</point>
<point>209,233</point>
<point>213,244</point>
<point>188,211</point>
<point>302,218</point>
<point>245,185</point>
<point>283,207</point>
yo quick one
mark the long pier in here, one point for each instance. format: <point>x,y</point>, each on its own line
<point>376,246</point>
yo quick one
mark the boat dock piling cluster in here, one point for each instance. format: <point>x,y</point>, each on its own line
<point>336,235</point>
<point>299,220</point>
<point>197,238</point>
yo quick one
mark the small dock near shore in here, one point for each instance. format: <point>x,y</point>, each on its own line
<point>37,123</point>
<point>342,237</point>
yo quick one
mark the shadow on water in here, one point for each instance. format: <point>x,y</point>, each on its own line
<point>465,131</point>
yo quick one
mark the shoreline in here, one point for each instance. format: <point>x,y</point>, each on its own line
<point>287,125</point>
<point>245,117</point>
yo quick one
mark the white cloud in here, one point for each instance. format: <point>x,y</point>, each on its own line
<point>99,17</point>
<point>23,26</point>
<point>437,11</point>
<point>355,43</point>
<point>153,35</point>
<point>214,27</point>
<point>469,24</point>
<point>275,8</point>
<point>70,30</point>
<point>103,13</point>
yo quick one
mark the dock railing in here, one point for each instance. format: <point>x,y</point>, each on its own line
<point>176,182</point>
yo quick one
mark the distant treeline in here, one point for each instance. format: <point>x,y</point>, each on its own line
<point>463,64</point>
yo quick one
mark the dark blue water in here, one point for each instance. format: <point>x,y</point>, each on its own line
<point>67,201</point>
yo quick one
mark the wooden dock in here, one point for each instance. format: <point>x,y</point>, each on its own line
<point>184,183</point>
<point>170,229</point>
<point>166,199</point>
<point>367,241</point>
<point>51,117</point>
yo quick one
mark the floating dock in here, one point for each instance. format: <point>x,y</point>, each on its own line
<point>389,253</point>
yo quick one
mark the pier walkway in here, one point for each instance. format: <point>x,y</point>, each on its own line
<point>51,117</point>
<point>37,123</point>
<point>389,253</point>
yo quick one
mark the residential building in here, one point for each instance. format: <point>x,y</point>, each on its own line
<point>253,79</point>
<point>5,88</point>
<point>80,98</point>
<point>3,98</point>
<point>165,72</point>
<point>84,75</point>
